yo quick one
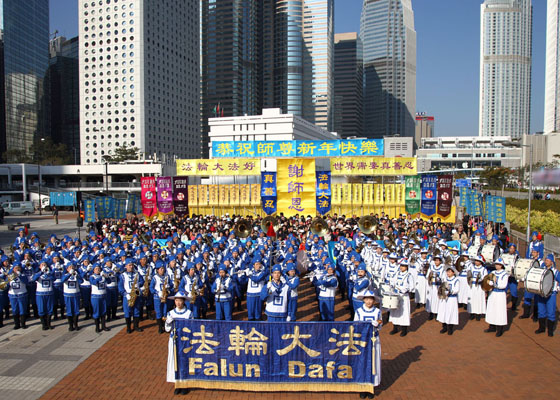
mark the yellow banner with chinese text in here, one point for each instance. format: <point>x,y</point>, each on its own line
<point>296,187</point>
<point>193,196</point>
<point>360,166</point>
<point>213,195</point>
<point>219,167</point>
<point>233,195</point>
<point>255,194</point>
<point>245,194</point>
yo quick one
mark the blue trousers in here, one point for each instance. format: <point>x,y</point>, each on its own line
<point>85,292</point>
<point>4,300</point>
<point>161,308</point>
<point>254,308</point>
<point>275,319</point>
<point>528,298</point>
<point>99,306</point>
<point>292,308</point>
<point>223,310</point>
<point>58,295</point>
<point>326,308</point>
<point>512,286</point>
<point>72,305</point>
<point>547,306</point>
<point>19,304</point>
<point>45,304</point>
<point>135,310</point>
<point>112,297</point>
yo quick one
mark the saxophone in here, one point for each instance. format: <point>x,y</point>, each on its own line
<point>147,281</point>
<point>133,292</point>
<point>164,291</point>
<point>194,292</point>
<point>177,278</point>
<point>4,283</point>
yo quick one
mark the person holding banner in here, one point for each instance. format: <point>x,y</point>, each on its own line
<point>179,312</point>
<point>277,295</point>
<point>369,313</point>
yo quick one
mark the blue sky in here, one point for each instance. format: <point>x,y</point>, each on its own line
<point>448,46</point>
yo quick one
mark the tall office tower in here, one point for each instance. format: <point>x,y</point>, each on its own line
<point>24,59</point>
<point>505,67</point>
<point>425,128</point>
<point>64,92</point>
<point>348,85</point>
<point>139,78</point>
<point>231,53</point>
<point>552,83</point>
<point>389,42</point>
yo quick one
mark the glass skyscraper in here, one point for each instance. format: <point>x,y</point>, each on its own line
<point>552,83</point>
<point>389,43</point>
<point>505,67</point>
<point>24,42</point>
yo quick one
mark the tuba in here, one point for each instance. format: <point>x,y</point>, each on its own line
<point>367,224</point>
<point>267,222</point>
<point>319,227</point>
<point>242,229</point>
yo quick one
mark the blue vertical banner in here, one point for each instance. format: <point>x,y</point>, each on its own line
<point>323,192</point>
<point>463,195</point>
<point>268,192</point>
<point>429,191</point>
<point>89,210</point>
<point>500,209</point>
<point>109,203</point>
<point>121,209</point>
<point>476,206</point>
<point>100,206</point>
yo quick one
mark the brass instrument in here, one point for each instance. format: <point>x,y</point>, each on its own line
<point>448,260</point>
<point>242,229</point>
<point>486,283</point>
<point>177,278</point>
<point>469,278</point>
<point>267,222</point>
<point>164,291</point>
<point>147,281</point>
<point>319,227</point>
<point>194,293</point>
<point>415,238</point>
<point>426,267</point>
<point>413,258</point>
<point>437,252</point>
<point>367,224</point>
<point>4,283</point>
<point>390,242</point>
<point>134,292</point>
<point>442,291</point>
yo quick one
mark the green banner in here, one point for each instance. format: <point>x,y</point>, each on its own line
<point>413,194</point>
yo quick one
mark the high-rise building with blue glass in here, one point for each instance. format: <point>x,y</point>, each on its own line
<point>24,59</point>
<point>389,43</point>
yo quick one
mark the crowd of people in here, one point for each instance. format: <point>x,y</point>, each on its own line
<point>215,263</point>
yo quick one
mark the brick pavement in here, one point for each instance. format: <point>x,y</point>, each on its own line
<point>470,364</point>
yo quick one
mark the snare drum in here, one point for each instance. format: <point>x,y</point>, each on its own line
<point>473,251</point>
<point>509,263</point>
<point>390,301</point>
<point>522,266</point>
<point>386,288</point>
<point>490,253</point>
<point>539,281</point>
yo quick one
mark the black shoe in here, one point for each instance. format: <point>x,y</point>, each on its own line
<point>103,326</point>
<point>44,322</point>
<point>513,303</point>
<point>404,330</point>
<point>450,330</point>
<point>160,326</point>
<point>137,325</point>
<point>184,391</point>
<point>473,316</point>
<point>363,395</point>
<point>97,325</point>
<point>1,318</point>
<point>75,320</point>
<point>70,324</point>
<point>35,311</point>
<point>129,327</point>
<point>17,322</point>
<point>443,328</point>
<point>395,330</point>
<point>550,326</point>
<point>526,312</point>
<point>491,328</point>
<point>88,314</point>
<point>500,331</point>
<point>115,314</point>
<point>431,317</point>
<point>49,325</point>
<point>370,395</point>
<point>22,319</point>
<point>177,392</point>
<point>542,326</point>
<point>478,316</point>
<point>535,312</point>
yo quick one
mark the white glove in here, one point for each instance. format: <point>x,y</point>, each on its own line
<point>169,319</point>
<point>491,283</point>
<point>288,319</point>
<point>128,297</point>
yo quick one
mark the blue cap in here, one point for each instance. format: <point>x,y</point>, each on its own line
<point>222,267</point>
<point>551,258</point>
<point>277,267</point>
<point>361,267</point>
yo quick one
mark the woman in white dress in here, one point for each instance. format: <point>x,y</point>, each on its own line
<point>179,312</point>
<point>477,297</point>
<point>369,313</point>
<point>448,312</point>
<point>435,276</point>
<point>496,308</point>
<point>421,283</point>
<point>402,284</point>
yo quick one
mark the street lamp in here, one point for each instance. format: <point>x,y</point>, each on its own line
<point>106,161</point>
<point>517,144</point>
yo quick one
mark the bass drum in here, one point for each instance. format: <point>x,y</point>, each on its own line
<point>509,263</point>
<point>539,281</point>
<point>522,266</point>
<point>490,253</point>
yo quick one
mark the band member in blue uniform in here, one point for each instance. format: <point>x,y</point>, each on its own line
<point>71,286</point>
<point>98,294</point>
<point>529,303</point>
<point>17,293</point>
<point>369,313</point>
<point>45,294</point>
<point>257,279</point>
<point>222,289</point>
<point>158,285</point>
<point>130,283</point>
<point>402,283</point>
<point>512,255</point>
<point>547,305</point>
<point>327,285</point>
<point>292,281</point>
<point>277,295</point>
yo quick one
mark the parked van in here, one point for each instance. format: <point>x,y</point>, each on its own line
<point>18,208</point>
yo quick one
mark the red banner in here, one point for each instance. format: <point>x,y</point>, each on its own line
<point>149,207</point>
<point>444,194</point>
